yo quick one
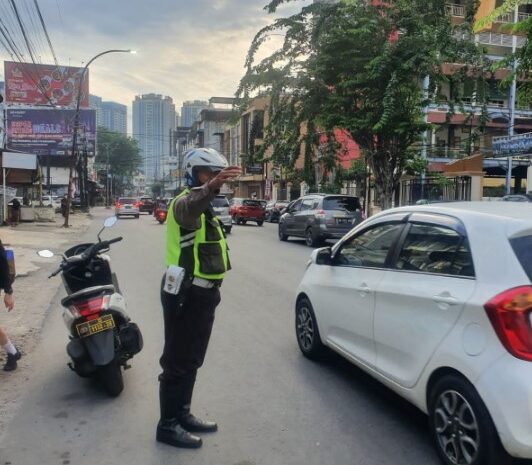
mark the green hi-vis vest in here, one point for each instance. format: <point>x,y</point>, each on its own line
<point>202,252</point>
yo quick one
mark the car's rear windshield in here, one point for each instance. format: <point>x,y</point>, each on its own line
<point>220,202</point>
<point>252,203</point>
<point>523,250</point>
<point>127,200</point>
<point>350,204</point>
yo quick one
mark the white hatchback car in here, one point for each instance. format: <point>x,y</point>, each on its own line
<point>436,302</point>
<point>127,206</point>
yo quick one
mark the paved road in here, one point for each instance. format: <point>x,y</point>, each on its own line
<point>273,405</point>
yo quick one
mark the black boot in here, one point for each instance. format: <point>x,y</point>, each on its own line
<point>186,419</point>
<point>11,362</point>
<point>169,430</point>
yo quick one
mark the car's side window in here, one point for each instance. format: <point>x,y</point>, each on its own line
<point>435,249</point>
<point>307,204</point>
<point>370,248</point>
<point>296,206</point>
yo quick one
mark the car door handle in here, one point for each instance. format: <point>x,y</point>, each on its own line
<point>363,289</point>
<point>445,298</point>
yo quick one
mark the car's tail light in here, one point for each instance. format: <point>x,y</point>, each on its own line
<point>118,205</point>
<point>88,308</point>
<point>320,214</point>
<point>511,316</point>
<point>136,204</point>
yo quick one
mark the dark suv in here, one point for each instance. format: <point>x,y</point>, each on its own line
<point>317,217</point>
<point>147,204</point>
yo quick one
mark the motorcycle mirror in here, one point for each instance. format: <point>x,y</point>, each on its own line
<point>110,222</point>
<point>45,253</point>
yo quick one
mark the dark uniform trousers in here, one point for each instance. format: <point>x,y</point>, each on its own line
<point>188,321</point>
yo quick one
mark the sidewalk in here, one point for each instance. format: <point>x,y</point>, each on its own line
<point>33,293</point>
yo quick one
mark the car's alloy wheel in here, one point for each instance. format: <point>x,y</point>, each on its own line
<point>456,428</point>
<point>310,240</point>
<point>282,236</point>
<point>462,428</point>
<point>307,333</point>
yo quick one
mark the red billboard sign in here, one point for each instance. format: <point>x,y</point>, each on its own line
<point>30,84</point>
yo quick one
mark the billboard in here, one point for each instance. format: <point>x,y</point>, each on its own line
<point>31,84</point>
<point>49,132</point>
<point>509,146</point>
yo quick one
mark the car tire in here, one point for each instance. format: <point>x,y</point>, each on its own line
<point>461,426</point>
<point>243,221</point>
<point>282,236</point>
<point>307,332</point>
<point>260,223</point>
<point>137,217</point>
<point>310,239</point>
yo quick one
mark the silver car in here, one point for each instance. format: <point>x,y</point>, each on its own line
<point>318,217</point>
<point>127,206</point>
<point>221,208</point>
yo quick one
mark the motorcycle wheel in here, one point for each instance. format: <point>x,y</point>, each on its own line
<point>111,378</point>
<point>161,221</point>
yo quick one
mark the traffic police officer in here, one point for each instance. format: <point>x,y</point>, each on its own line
<point>195,245</point>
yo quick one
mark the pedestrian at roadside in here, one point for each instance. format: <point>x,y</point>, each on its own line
<point>13,355</point>
<point>63,206</point>
<point>15,211</point>
<point>197,260</point>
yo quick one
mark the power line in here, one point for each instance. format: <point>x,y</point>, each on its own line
<point>29,47</point>
<point>45,31</point>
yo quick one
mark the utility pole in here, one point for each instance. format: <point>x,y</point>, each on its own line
<point>513,91</point>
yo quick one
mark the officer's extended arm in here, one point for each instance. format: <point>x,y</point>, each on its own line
<point>188,209</point>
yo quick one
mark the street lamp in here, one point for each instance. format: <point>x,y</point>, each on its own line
<point>75,134</point>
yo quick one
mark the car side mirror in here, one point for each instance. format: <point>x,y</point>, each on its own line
<point>322,256</point>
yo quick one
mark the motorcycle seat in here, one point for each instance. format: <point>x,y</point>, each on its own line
<point>90,291</point>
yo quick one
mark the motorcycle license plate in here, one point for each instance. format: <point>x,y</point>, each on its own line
<point>89,328</point>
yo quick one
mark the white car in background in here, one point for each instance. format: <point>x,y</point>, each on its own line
<point>127,206</point>
<point>436,303</point>
<point>53,200</point>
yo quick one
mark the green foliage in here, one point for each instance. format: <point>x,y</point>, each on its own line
<point>358,67</point>
<point>156,189</point>
<point>123,152</point>
<point>416,165</point>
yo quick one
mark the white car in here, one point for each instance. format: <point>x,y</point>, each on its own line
<point>436,303</point>
<point>221,208</point>
<point>127,206</point>
<point>53,200</point>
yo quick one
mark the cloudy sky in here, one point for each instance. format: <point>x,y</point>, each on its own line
<point>187,49</point>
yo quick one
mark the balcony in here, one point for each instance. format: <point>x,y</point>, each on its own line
<point>495,108</point>
<point>456,10</point>
<point>499,40</point>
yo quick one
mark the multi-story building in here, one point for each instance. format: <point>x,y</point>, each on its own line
<point>110,115</point>
<point>95,103</point>
<point>114,117</point>
<point>154,119</point>
<point>458,137</point>
<point>191,110</point>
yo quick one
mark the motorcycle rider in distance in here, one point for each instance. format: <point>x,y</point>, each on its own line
<point>196,253</point>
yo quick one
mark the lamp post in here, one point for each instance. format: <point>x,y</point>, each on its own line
<point>76,124</point>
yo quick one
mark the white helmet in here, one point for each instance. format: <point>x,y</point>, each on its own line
<point>202,159</point>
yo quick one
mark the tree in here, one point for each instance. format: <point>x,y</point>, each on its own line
<point>357,66</point>
<point>122,153</point>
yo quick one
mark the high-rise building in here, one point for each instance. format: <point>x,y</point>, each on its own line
<point>191,110</point>
<point>95,103</point>
<point>110,115</point>
<point>114,117</point>
<point>154,118</point>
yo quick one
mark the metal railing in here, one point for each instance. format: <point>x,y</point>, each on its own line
<point>456,10</point>
<point>500,40</point>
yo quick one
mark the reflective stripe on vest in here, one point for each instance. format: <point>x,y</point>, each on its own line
<point>183,247</point>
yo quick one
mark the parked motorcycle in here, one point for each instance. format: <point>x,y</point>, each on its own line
<point>102,336</point>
